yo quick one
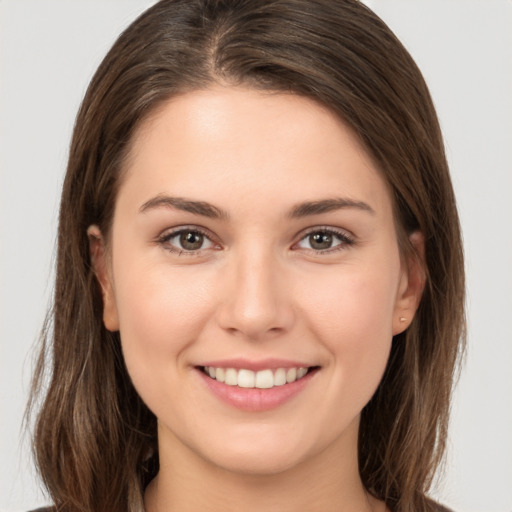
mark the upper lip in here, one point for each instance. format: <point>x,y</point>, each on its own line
<point>261,364</point>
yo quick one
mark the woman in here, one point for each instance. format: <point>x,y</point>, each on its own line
<point>259,296</point>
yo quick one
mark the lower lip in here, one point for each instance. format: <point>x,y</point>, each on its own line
<point>255,399</point>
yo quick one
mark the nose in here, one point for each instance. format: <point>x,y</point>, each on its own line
<point>256,300</point>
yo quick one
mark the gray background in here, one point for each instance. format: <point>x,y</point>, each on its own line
<point>48,52</point>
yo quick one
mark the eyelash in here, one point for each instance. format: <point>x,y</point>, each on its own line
<point>345,239</point>
<point>164,240</point>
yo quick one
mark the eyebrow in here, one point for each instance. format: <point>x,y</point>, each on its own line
<point>213,212</point>
<point>328,205</point>
<point>179,203</point>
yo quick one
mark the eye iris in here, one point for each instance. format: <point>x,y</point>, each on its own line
<point>191,240</point>
<point>320,240</point>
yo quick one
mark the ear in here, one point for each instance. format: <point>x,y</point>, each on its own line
<point>412,284</point>
<point>100,266</point>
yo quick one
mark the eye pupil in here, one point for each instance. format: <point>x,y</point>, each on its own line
<point>191,240</point>
<point>320,240</point>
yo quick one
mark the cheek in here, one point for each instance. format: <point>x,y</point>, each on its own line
<point>352,313</point>
<point>160,314</point>
<point>355,301</point>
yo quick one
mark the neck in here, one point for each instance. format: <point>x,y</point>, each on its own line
<point>326,482</point>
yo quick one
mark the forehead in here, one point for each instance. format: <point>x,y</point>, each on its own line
<point>206,143</point>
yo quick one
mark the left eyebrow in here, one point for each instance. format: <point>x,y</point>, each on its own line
<point>328,205</point>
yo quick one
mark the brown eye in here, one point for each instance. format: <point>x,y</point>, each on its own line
<point>191,240</point>
<point>185,241</point>
<point>320,241</point>
<point>325,240</point>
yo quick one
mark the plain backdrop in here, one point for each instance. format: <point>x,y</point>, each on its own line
<point>48,52</point>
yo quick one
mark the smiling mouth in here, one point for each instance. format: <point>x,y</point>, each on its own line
<point>263,379</point>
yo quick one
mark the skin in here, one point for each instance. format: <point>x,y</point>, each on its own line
<point>258,288</point>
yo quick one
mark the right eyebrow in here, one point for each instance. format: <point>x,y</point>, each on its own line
<point>179,203</point>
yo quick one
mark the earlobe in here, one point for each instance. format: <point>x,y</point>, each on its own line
<point>412,284</point>
<point>99,263</point>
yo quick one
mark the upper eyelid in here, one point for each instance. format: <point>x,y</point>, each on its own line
<point>326,229</point>
<point>170,232</point>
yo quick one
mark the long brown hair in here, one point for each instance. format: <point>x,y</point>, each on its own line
<point>95,440</point>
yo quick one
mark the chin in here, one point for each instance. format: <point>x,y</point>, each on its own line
<point>257,462</point>
<point>266,449</point>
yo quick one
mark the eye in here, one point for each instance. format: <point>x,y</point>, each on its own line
<point>186,240</point>
<point>325,240</point>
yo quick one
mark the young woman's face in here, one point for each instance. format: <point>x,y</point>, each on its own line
<point>253,239</point>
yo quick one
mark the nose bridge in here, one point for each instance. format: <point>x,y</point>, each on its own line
<point>256,302</point>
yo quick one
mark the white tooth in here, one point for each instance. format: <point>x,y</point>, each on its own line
<point>231,377</point>
<point>280,377</point>
<point>301,372</point>
<point>220,374</point>
<point>291,375</point>
<point>211,371</point>
<point>245,378</point>
<point>264,379</point>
